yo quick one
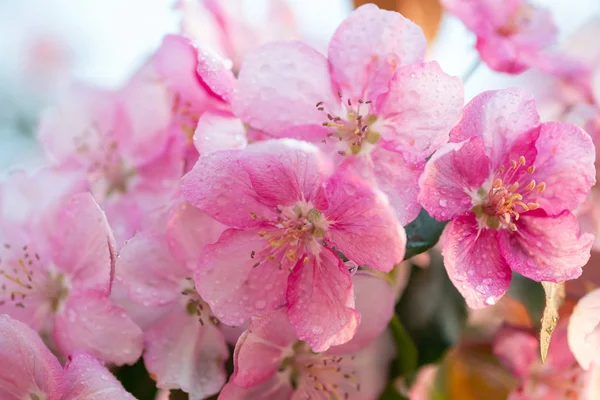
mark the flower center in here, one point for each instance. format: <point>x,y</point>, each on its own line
<point>507,198</point>
<point>195,305</point>
<point>185,117</point>
<point>330,374</point>
<point>17,281</point>
<point>353,130</point>
<point>297,228</point>
<point>518,21</point>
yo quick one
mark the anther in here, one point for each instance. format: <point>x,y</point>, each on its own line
<point>513,164</point>
<point>541,187</point>
<point>522,160</point>
<point>531,185</point>
<point>531,169</point>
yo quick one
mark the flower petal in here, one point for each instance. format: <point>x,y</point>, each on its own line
<point>219,132</point>
<point>375,300</point>
<point>321,301</point>
<point>451,176</point>
<point>286,171</point>
<point>278,87</point>
<point>277,387</point>
<point>584,330</point>
<point>183,354</point>
<point>369,46</point>
<point>219,186</point>
<point>547,248</point>
<point>422,106</point>
<point>261,349</point>
<point>230,281</point>
<point>362,224</point>
<point>149,271</point>
<point>215,74</point>
<point>481,16</point>
<point>517,349</point>
<point>92,323</point>
<point>506,121</point>
<point>26,363</point>
<point>474,263</point>
<point>83,244</point>
<point>86,378</point>
<point>565,162</point>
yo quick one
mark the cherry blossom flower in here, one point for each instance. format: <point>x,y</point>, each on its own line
<point>509,184</point>
<point>287,214</point>
<point>372,100</point>
<point>57,277</point>
<point>558,378</point>
<point>184,347</point>
<point>270,362</point>
<point>30,371</point>
<point>511,35</point>
<point>584,330</point>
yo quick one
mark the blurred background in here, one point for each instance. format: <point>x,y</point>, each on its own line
<point>45,44</point>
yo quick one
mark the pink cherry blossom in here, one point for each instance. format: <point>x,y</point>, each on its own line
<point>558,378</point>
<point>372,100</point>
<point>270,362</point>
<point>219,26</point>
<point>511,35</point>
<point>287,213</point>
<point>184,347</point>
<point>509,184</point>
<point>56,277</point>
<point>584,330</point>
<point>30,371</point>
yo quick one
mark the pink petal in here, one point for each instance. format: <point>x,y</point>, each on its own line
<point>261,349</point>
<point>362,224</point>
<point>278,88</point>
<point>92,323</point>
<point>482,16</point>
<point>229,280</point>
<point>219,132</point>
<point>278,387</point>
<point>286,171</point>
<point>369,46</point>
<point>190,357</point>
<point>215,74</point>
<point>321,301</point>
<point>584,330</point>
<point>517,349</point>
<point>474,263</point>
<point>86,378</point>
<point>27,367</point>
<point>547,248</point>
<point>452,176</point>
<point>188,231</point>
<point>565,162</point>
<point>507,122</point>
<point>423,99</point>
<point>375,300</point>
<point>149,271</point>
<point>219,186</point>
<point>502,55</point>
<point>83,244</point>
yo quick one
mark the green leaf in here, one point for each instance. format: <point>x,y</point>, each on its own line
<point>422,234</point>
<point>391,394</point>
<point>405,348</point>
<point>432,310</point>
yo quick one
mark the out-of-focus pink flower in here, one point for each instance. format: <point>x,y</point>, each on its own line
<point>509,184</point>
<point>270,363</point>
<point>511,35</point>
<point>184,347</point>
<point>584,330</point>
<point>56,277</point>
<point>287,215</point>
<point>30,371</point>
<point>372,100</point>
<point>219,26</point>
<point>558,378</point>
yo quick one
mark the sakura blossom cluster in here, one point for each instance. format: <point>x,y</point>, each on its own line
<point>248,196</point>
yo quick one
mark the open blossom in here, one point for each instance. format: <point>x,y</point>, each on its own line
<point>184,347</point>
<point>584,331</point>
<point>372,100</point>
<point>287,214</point>
<point>508,184</point>
<point>56,277</point>
<point>30,371</point>
<point>270,362</point>
<point>560,377</point>
<point>510,34</point>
